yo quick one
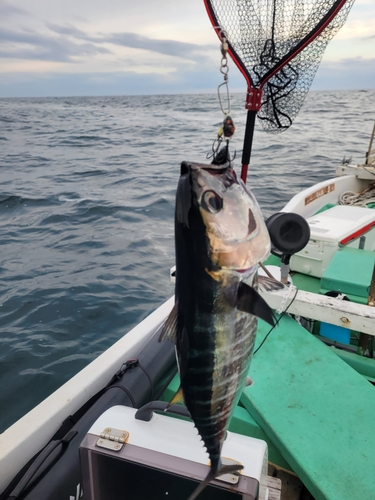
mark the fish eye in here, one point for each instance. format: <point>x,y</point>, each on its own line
<point>212,202</point>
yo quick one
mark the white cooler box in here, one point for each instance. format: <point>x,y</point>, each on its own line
<point>164,459</point>
<point>340,225</point>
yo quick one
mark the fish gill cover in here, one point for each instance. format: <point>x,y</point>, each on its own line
<point>278,45</point>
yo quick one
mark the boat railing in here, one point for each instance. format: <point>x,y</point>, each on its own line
<point>358,317</point>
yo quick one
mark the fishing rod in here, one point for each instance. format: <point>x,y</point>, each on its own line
<point>277,45</point>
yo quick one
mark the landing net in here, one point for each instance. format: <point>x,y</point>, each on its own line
<point>278,45</point>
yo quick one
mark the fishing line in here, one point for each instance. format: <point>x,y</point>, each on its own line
<point>277,322</point>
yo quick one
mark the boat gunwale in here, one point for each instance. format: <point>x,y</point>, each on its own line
<point>341,184</point>
<point>26,437</point>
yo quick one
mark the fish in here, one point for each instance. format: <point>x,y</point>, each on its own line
<point>220,238</point>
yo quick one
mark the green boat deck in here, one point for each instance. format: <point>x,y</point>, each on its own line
<point>350,272</point>
<point>316,413</point>
<point>316,410</point>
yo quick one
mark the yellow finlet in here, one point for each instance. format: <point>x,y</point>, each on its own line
<point>177,398</point>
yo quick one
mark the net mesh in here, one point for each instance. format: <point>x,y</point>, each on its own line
<point>262,33</point>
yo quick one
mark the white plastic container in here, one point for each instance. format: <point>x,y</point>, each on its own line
<point>338,226</point>
<point>165,454</point>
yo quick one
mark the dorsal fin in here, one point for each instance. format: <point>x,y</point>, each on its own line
<point>169,331</point>
<point>183,195</point>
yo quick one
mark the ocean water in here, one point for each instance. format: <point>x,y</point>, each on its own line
<point>87,206</point>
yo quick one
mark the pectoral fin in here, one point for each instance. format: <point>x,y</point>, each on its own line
<point>249,301</point>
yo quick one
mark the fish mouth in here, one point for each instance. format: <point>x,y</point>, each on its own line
<point>246,271</point>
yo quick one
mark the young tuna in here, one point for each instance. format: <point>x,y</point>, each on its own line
<point>220,239</point>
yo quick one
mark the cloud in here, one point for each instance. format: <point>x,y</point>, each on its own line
<point>67,30</point>
<point>349,73</point>
<point>135,41</point>
<point>158,52</point>
<point>55,84</point>
<point>166,47</point>
<point>7,10</point>
<point>29,44</point>
<point>68,44</point>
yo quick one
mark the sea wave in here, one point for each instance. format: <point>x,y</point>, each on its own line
<point>87,208</point>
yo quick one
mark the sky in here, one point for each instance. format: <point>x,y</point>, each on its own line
<point>127,47</point>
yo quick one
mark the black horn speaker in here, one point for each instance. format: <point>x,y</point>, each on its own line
<point>289,233</point>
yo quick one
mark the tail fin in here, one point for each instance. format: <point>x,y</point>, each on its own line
<point>227,469</point>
